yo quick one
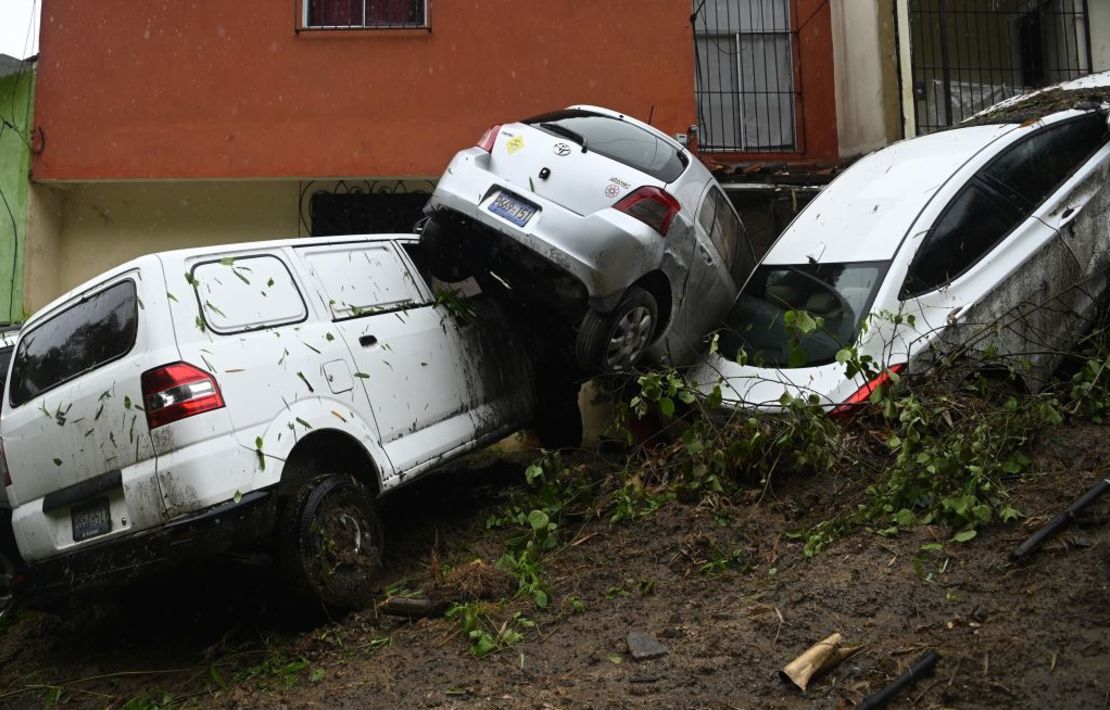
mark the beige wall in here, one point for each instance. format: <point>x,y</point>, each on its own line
<point>867,99</point>
<point>77,231</point>
<point>45,208</point>
<point>1100,34</point>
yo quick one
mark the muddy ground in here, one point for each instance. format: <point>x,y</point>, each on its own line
<point>726,590</point>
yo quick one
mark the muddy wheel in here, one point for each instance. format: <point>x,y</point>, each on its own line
<point>613,342</point>
<point>558,423</point>
<point>446,250</point>
<point>332,543</point>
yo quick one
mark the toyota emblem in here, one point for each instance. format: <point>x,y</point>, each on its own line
<point>561,149</point>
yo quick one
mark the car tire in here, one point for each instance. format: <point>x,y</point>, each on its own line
<point>614,341</point>
<point>331,543</point>
<point>446,251</point>
<point>558,423</point>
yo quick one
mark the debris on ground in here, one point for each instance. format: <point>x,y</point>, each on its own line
<point>923,667</point>
<point>1061,521</point>
<point>818,658</point>
<point>413,607</point>
<point>643,646</point>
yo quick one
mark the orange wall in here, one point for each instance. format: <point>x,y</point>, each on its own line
<point>212,88</point>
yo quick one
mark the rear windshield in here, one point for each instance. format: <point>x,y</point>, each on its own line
<point>615,139</point>
<point>840,295</point>
<point>88,334</point>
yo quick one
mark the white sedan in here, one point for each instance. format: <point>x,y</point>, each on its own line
<point>990,239</point>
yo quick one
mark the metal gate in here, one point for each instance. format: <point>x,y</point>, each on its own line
<point>746,66</point>
<point>970,54</point>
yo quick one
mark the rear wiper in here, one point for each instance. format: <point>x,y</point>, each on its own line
<point>566,133</point>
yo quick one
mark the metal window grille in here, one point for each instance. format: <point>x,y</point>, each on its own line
<point>970,54</point>
<point>744,53</point>
<point>361,14</point>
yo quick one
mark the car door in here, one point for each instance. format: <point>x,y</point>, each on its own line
<point>406,349</point>
<point>498,374</point>
<point>720,252</point>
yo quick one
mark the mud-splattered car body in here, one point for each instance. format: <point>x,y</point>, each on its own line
<point>189,394</point>
<point>581,209</point>
<point>984,241</point>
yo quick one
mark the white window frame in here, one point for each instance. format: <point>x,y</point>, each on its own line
<point>426,25</point>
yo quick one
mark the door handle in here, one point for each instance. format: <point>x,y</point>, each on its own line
<point>705,254</point>
<point>367,340</point>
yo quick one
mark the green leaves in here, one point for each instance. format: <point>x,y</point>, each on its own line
<point>965,535</point>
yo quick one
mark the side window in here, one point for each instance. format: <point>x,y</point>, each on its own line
<point>705,214</point>
<point>364,279</point>
<point>1000,197</point>
<point>726,228</point>
<point>90,333</point>
<point>248,293</point>
<point>974,222</point>
<point>1032,169</point>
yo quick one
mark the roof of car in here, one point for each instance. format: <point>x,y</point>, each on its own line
<point>864,214</point>
<point>211,250</point>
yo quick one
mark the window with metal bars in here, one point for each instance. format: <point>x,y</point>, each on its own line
<point>970,54</point>
<point>362,14</point>
<point>746,94</point>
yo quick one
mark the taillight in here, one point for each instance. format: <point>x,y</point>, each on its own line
<point>860,397</point>
<point>654,207</point>
<point>177,391</point>
<point>489,138</point>
<point>4,466</point>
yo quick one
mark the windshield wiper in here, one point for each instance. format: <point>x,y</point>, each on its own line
<point>566,133</point>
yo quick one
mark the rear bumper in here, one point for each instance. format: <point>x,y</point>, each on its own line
<point>607,251</point>
<point>230,526</point>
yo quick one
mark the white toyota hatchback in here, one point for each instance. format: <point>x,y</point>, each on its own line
<point>991,239</point>
<point>607,220</point>
<point>251,396</point>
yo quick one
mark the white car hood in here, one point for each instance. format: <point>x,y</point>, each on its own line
<point>763,387</point>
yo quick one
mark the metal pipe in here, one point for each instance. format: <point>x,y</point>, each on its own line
<point>923,667</point>
<point>1060,521</point>
<point>945,64</point>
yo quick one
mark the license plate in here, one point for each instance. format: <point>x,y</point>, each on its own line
<point>91,519</point>
<point>512,208</point>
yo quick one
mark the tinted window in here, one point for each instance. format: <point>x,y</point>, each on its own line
<point>616,139</point>
<point>841,294</point>
<point>705,214</point>
<point>247,293</point>
<point>88,334</point>
<point>726,228</point>
<point>1032,169</point>
<point>1000,197</point>
<point>974,222</point>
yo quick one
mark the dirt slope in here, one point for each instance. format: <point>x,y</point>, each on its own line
<point>726,590</point>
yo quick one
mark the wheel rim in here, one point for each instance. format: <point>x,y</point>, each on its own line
<point>343,556</point>
<point>629,337</point>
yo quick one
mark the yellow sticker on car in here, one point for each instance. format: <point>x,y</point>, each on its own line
<point>514,144</point>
